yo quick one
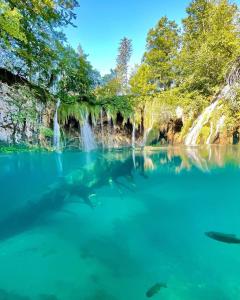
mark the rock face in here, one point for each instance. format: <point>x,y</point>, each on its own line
<point>21,114</point>
<point>25,117</point>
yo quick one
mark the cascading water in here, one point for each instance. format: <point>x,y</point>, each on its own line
<point>101,119</point>
<point>203,119</point>
<point>220,124</point>
<point>88,141</point>
<point>210,135</point>
<point>56,129</point>
<point>192,136</point>
<point>148,129</point>
<point>146,133</point>
<point>133,144</point>
<point>110,138</point>
<point>133,135</point>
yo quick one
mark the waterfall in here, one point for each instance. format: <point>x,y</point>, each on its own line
<point>110,142</point>
<point>192,136</point>
<point>133,135</point>
<point>56,129</point>
<point>88,141</point>
<point>220,124</point>
<point>146,133</point>
<point>203,119</point>
<point>210,135</point>
<point>101,119</point>
<point>148,130</point>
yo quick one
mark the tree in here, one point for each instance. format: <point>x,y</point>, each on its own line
<point>210,44</point>
<point>108,77</point>
<point>123,58</point>
<point>141,82</point>
<point>196,22</point>
<point>35,51</point>
<point>109,90</point>
<point>10,23</point>
<point>96,78</point>
<point>157,71</point>
<point>76,81</point>
<point>162,47</point>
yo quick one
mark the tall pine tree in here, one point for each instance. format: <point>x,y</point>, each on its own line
<point>123,59</point>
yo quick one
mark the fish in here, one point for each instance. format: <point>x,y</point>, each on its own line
<point>223,237</point>
<point>152,291</point>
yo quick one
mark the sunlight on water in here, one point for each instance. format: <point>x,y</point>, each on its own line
<point>114,225</point>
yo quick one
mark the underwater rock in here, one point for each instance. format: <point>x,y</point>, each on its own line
<point>155,289</point>
<point>223,237</point>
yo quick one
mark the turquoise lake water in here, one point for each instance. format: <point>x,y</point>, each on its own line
<point>108,225</point>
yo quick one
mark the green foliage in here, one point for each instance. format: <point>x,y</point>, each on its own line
<point>141,82</point>
<point>210,44</point>
<point>109,89</point>
<point>78,111</point>
<point>74,110</point>
<point>153,137</point>
<point>10,23</point>
<point>186,76</point>
<point>234,103</point>
<point>31,37</point>
<point>16,148</point>
<point>231,111</point>
<point>204,134</point>
<point>162,46</point>
<point>118,104</point>
<point>75,88</point>
<point>113,106</point>
<point>46,132</point>
<point>76,82</point>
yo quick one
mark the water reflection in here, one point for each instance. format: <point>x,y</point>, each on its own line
<point>185,158</point>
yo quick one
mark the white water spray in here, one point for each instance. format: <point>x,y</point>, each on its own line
<point>133,135</point>
<point>203,119</point>
<point>56,129</point>
<point>88,141</point>
<point>146,133</point>
<point>210,135</point>
<point>102,134</point>
<point>220,125</point>
<point>109,130</point>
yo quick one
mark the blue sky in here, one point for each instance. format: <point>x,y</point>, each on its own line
<point>102,23</point>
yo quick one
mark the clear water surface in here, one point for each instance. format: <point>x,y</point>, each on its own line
<point>108,225</point>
